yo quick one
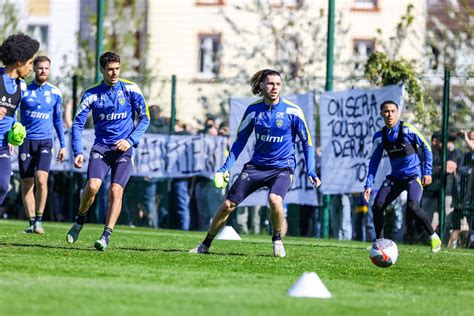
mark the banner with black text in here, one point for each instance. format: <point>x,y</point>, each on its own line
<point>349,119</point>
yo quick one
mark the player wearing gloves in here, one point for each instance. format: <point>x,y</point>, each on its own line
<point>115,104</point>
<point>16,53</point>
<point>276,123</point>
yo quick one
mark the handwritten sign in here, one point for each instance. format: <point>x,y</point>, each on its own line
<point>301,191</point>
<point>159,156</point>
<point>349,119</point>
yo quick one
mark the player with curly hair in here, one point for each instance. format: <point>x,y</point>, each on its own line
<point>16,54</point>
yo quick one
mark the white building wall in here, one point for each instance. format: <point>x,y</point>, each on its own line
<point>173,33</point>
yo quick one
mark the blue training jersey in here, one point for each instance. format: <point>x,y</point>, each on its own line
<point>7,122</point>
<point>275,127</point>
<point>113,111</point>
<point>405,167</point>
<point>40,110</point>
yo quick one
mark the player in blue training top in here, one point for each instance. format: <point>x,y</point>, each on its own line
<point>115,103</point>
<point>16,53</point>
<point>40,112</point>
<point>276,123</point>
<point>410,172</point>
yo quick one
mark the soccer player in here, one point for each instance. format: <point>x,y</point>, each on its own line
<point>16,53</point>
<point>410,172</point>
<point>115,103</point>
<point>276,122</point>
<point>40,110</point>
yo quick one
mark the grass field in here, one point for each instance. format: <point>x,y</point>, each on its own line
<point>149,272</point>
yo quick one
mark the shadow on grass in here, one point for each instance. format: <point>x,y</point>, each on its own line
<point>45,246</point>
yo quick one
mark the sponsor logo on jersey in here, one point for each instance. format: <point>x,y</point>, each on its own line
<point>268,138</point>
<point>121,97</point>
<point>280,114</point>
<point>45,151</point>
<point>37,114</point>
<point>113,116</point>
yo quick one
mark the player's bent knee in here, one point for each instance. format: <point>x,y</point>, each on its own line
<point>275,200</point>
<point>116,189</point>
<point>229,206</point>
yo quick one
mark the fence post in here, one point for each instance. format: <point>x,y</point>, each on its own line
<point>173,104</point>
<point>444,137</point>
<point>99,37</point>
<point>71,173</point>
<point>329,81</point>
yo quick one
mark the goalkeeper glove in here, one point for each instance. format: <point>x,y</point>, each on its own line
<point>221,179</point>
<point>16,134</point>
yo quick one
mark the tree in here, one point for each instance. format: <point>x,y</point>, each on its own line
<point>8,20</point>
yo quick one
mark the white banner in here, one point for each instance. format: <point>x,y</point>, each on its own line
<point>301,191</point>
<point>349,119</point>
<point>158,156</point>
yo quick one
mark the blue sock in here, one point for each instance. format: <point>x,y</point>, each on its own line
<point>38,218</point>
<point>31,220</point>
<point>107,233</point>
<point>276,235</point>
<point>80,219</point>
<point>208,240</point>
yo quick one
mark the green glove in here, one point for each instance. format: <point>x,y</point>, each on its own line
<point>221,179</point>
<point>16,134</point>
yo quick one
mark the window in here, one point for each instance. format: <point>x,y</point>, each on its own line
<point>365,4</point>
<point>286,3</point>
<point>40,32</point>
<point>209,2</point>
<point>209,55</point>
<point>363,48</point>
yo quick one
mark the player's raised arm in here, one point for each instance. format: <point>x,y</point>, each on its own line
<point>243,133</point>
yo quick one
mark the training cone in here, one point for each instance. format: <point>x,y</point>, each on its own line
<point>309,285</point>
<point>228,233</point>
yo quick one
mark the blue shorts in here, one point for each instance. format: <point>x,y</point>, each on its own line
<point>254,177</point>
<point>103,158</point>
<point>6,172</point>
<point>392,187</point>
<point>34,155</point>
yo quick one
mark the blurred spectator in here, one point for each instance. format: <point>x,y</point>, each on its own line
<point>341,222</point>
<point>207,196</point>
<point>463,193</point>
<point>180,211</point>
<point>158,124</point>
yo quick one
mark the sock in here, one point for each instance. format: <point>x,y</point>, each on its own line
<point>38,217</point>
<point>80,219</point>
<point>434,236</point>
<point>208,240</point>
<point>276,235</point>
<point>107,233</point>
<point>31,220</point>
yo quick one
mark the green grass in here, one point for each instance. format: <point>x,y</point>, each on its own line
<point>149,272</point>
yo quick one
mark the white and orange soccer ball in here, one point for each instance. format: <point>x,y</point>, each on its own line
<point>384,253</point>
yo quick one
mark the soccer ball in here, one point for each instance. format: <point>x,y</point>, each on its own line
<point>383,253</point>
